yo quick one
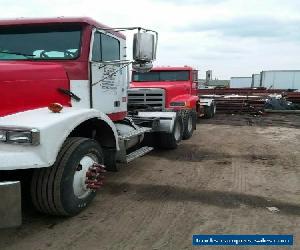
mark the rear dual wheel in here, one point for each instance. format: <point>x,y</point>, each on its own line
<point>171,140</point>
<point>69,185</point>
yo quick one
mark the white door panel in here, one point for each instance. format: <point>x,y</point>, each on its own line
<point>108,88</point>
<point>109,80</point>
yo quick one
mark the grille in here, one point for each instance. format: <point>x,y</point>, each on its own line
<point>154,98</point>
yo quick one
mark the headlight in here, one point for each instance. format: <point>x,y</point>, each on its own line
<point>177,104</point>
<point>20,136</point>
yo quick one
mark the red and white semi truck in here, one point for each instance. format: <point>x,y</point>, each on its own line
<point>63,112</point>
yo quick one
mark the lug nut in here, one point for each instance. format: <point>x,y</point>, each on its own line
<point>95,177</point>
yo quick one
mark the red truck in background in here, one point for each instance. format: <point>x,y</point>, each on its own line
<point>170,89</point>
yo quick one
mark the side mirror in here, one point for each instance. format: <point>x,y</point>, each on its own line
<point>142,67</point>
<point>144,46</point>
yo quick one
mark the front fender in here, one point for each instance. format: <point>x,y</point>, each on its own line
<point>54,129</point>
<point>191,100</point>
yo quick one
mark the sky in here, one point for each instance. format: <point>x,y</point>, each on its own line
<point>229,37</point>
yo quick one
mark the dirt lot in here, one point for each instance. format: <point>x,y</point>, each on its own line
<point>219,182</point>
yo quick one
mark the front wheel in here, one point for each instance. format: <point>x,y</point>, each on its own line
<point>69,185</point>
<point>189,123</point>
<point>171,140</point>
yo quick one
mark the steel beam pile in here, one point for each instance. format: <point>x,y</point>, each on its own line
<point>293,97</point>
<point>246,100</point>
<point>240,91</point>
<point>240,104</point>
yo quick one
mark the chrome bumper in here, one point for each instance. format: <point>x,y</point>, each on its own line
<point>166,120</point>
<point>10,204</point>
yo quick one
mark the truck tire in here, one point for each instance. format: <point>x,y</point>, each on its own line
<point>62,189</point>
<point>210,111</point>
<point>189,124</point>
<point>110,160</point>
<point>171,140</point>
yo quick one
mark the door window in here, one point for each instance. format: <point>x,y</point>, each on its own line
<point>96,53</point>
<point>105,48</point>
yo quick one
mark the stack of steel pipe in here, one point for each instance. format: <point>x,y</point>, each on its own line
<point>240,104</point>
<point>293,97</point>
<point>241,91</point>
<point>246,100</point>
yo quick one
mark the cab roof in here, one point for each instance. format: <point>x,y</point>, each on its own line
<point>58,20</point>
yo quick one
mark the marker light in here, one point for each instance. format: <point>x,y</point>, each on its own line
<point>55,107</point>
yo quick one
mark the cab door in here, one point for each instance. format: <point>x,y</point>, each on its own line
<point>108,77</point>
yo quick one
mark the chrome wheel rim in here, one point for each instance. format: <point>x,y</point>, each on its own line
<point>80,188</point>
<point>190,124</point>
<point>177,132</point>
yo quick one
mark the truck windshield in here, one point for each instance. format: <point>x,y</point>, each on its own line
<point>161,76</point>
<point>40,42</point>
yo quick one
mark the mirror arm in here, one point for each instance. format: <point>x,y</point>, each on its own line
<point>116,62</point>
<point>130,28</point>
<point>141,63</point>
<point>139,30</point>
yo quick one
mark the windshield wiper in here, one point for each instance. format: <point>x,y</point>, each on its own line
<point>16,53</point>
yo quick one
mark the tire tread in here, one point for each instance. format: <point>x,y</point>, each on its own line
<point>45,186</point>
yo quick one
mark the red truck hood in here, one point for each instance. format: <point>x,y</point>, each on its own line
<point>30,85</point>
<point>161,85</point>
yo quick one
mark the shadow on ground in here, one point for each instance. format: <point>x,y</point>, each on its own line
<point>194,153</point>
<point>223,199</point>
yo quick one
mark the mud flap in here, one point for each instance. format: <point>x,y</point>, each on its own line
<point>10,204</point>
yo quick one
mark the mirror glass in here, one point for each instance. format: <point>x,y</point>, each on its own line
<point>144,47</point>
